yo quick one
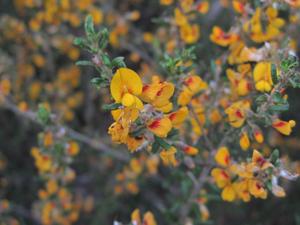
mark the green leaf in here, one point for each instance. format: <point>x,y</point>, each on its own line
<point>261,98</point>
<point>162,143</point>
<point>279,108</point>
<point>89,26</point>
<point>274,156</point>
<point>103,40</point>
<point>155,146</point>
<point>106,60</point>
<point>99,82</point>
<point>84,63</point>
<point>118,62</point>
<point>274,74</point>
<point>43,115</point>
<point>78,41</point>
<point>113,106</point>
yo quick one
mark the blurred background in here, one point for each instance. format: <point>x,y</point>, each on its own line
<point>37,65</point>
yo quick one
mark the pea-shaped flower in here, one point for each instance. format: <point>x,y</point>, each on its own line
<point>125,86</point>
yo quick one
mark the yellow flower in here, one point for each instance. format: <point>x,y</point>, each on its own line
<point>180,18</point>
<point>5,87</point>
<point>222,156</point>
<point>237,113</point>
<point>219,37</point>
<point>189,150</point>
<point>125,86</point>
<point>228,193</point>
<point>73,148</point>
<point>178,117</point>
<point>166,2</point>
<point>190,33</point>
<point>192,85</point>
<point>258,135</point>
<point>221,177</point>
<point>238,6</point>
<point>148,218</point>
<point>244,141</point>
<point>168,156</point>
<point>160,127</point>
<point>259,161</point>
<point>158,94</point>
<point>203,7</point>
<point>284,127</point>
<point>257,189</point>
<point>262,76</point>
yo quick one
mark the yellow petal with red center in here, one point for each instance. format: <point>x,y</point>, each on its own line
<point>222,156</point>
<point>238,6</point>
<point>243,87</point>
<point>283,126</point>
<point>244,141</point>
<point>203,7</point>
<point>195,84</point>
<point>258,136</point>
<point>149,92</point>
<point>135,217</point>
<point>125,81</point>
<point>260,161</point>
<point>228,193</point>
<point>178,117</point>
<point>221,177</point>
<point>256,189</point>
<point>160,127</point>
<point>189,150</point>
<point>166,92</point>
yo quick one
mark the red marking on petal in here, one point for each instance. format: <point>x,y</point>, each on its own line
<point>155,124</point>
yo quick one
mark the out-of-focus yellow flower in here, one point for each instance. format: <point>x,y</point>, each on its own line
<point>222,156</point>
<point>244,141</point>
<point>219,37</point>
<point>178,117</point>
<point>168,156</point>
<point>192,85</point>
<point>203,7</point>
<point>73,148</point>
<point>165,2</point>
<point>190,34</point>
